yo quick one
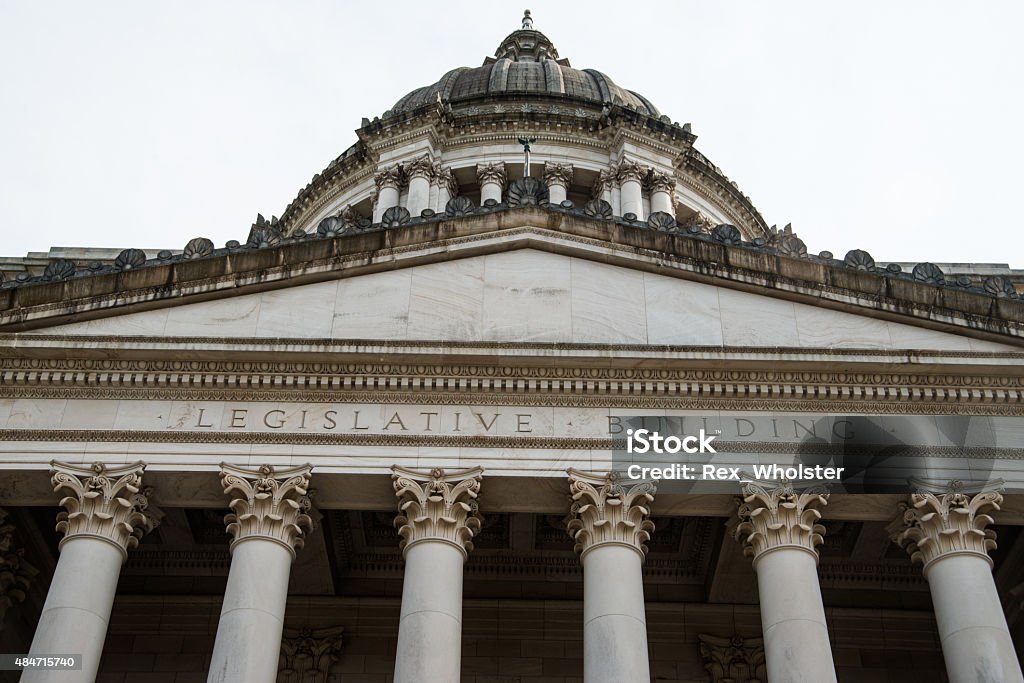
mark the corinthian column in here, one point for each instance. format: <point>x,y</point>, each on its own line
<point>779,529</point>
<point>268,521</point>
<point>106,515</point>
<point>419,171</point>
<point>558,178</point>
<point>947,534</point>
<point>610,525</point>
<point>387,181</point>
<point>436,520</point>
<point>492,181</point>
<point>631,175</point>
<point>662,187</point>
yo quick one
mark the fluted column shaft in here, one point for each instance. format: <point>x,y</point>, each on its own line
<point>778,528</point>
<point>268,523</point>
<point>105,517</point>
<point>947,533</point>
<point>437,522</point>
<point>610,525</point>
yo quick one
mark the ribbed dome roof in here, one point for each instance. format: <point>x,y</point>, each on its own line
<point>526,63</point>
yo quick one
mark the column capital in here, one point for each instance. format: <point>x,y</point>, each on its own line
<point>662,182</point>
<point>491,173</point>
<point>931,526</point>
<point>630,170</point>
<point>558,174</point>
<point>420,167</point>
<point>106,503</point>
<point>775,515</point>
<point>388,177</point>
<point>733,659</point>
<point>307,654</point>
<point>605,512</point>
<point>446,178</point>
<point>605,180</point>
<point>269,504</point>
<point>15,573</point>
<point>437,506</point>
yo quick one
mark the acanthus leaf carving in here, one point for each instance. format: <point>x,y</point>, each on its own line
<point>662,182</point>
<point>776,515</point>
<point>491,173</point>
<point>420,167</point>
<point>437,506</point>
<point>105,502</point>
<point>629,170</point>
<point>733,660</point>
<point>388,177</point>
<point>606,512</point>
<point>558,174</point>
<point>269,504</point>
<point>308,654</point>
<point>936,525</point>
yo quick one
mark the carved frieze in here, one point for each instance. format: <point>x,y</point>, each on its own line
<point>604,511</point>
<point>268,504</point>
<point>105,502</point>
<point>437,506</point>
<point>933,526</point>
<point>778,516</point>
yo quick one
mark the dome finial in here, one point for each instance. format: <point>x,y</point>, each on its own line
<point>527,21</point>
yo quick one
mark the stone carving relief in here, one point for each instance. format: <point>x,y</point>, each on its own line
<point>105,502</point>
<point>630,171</point>
<point>933,525</point>
<point>604,511</point>
<point>558,174</point>
<point>15,573</point>
<point>779,516</point>
<point>308,654</point>
<point>491,173</point>
<point>733,660</point>
<point>389,177</point>
<point>437,506</point>
<point>268,503</point>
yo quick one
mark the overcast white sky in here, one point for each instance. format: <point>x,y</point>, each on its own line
<point>896,127</point>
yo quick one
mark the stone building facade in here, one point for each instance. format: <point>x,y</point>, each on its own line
<point>373,441</point>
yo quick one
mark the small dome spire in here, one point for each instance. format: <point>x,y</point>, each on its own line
<point>527,21</point>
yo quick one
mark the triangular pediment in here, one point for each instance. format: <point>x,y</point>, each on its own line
<point>528,295</point>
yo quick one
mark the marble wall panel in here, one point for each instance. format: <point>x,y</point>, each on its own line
<point>527,297</point>
<point>447,300</point>
<point>374,306</point>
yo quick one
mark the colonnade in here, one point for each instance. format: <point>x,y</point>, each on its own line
<point>108,510</point>
<point>429,185</point>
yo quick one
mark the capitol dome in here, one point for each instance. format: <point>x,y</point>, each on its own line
<point>526,63</point>
<point>460,138</point>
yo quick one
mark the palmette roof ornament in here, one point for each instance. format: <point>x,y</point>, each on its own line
<point>937,525</point>
<point>604,512</point>
<point>774,516</point>
<point>106,503</point>
<point>269,504</point>
<point>437,506</point>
